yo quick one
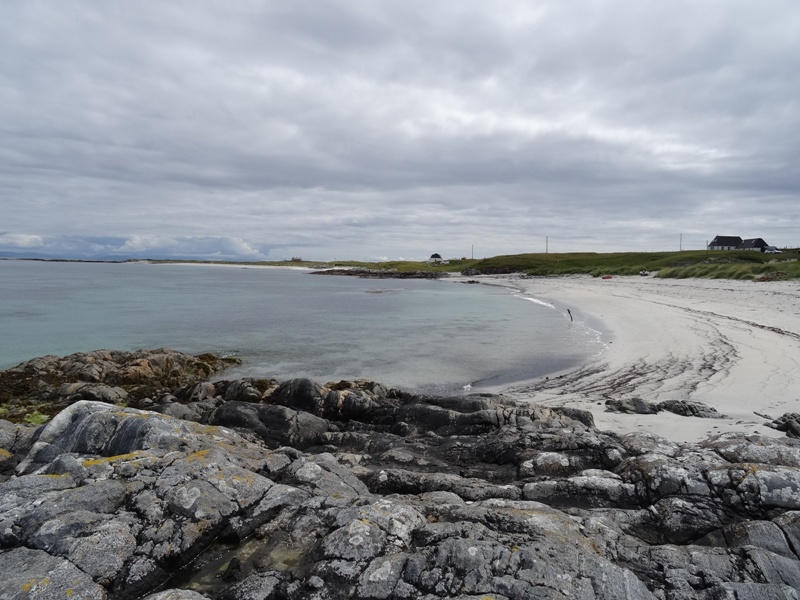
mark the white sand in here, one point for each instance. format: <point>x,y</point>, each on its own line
<point>733,345</point>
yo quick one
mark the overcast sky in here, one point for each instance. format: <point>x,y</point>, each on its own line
<point>370,129</point>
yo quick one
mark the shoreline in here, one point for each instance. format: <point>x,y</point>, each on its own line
<point>732,345</point>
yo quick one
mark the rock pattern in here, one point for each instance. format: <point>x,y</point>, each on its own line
<point>349,490</point>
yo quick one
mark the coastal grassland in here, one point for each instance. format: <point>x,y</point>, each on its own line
<point>696,263</point>
<point>403,266</point>
<point>700,263</point>
<point>735,264</point>
<point>759,272</point>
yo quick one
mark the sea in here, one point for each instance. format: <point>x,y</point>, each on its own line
<point>429,336</point>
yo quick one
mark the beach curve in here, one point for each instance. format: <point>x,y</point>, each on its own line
<point>732,345</point>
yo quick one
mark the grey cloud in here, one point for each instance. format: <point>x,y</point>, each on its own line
<point>375,129</point>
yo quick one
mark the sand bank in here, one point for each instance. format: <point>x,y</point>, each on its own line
<point>733,345</point>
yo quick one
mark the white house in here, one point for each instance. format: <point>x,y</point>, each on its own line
<point>435,259</point>
<point>730,242</point>
<point>725,242</point>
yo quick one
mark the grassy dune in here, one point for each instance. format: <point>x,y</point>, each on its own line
<point>704,264</point>
<point>737,264</point>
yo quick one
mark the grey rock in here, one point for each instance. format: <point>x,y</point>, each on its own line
<point>255,587</point>
<point>381,578</point>
<point>93,391</point>
<point>400,481</point>
<point>649,443</point>
<point>276,425</point>
<point>742,448</point>
<point>584,491</point>
<point>657,476</point>
<point>761,534</point>
<point>176,595</point>
<point>753,591</point>
<point>28,574</point>
<point>388,495</point>
<point>184,412</point>
<point>789,422</point>
<point>690,408</point>
<point>324,475</point>
<point>244,390</point>
<point>13,436</point>
<point>676,520</point>
<point>15,441</point>
<point>775,569</point>
<point>631,405</point>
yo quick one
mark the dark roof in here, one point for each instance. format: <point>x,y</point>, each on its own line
<point>726,240</point>
<point>435,255</point>
<point>753,243</point>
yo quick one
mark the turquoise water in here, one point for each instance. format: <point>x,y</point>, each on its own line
<point>435,336</point>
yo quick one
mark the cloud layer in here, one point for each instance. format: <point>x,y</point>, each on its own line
<point>361,129</point>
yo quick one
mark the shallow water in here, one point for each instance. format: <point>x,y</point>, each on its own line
<point>435,336</point>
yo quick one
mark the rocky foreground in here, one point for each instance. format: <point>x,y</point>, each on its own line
<point>253,489</point>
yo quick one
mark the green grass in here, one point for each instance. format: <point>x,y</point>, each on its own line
<point>36,418</point>
<point>737,264</point>
<point>730,265</point>
<point>751,271</point>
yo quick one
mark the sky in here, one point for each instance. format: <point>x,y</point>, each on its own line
<point>375,130</point>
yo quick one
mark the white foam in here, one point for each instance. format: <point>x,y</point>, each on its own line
<point>536,301</point>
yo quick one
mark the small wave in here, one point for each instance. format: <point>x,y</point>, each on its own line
<point>536,301</point>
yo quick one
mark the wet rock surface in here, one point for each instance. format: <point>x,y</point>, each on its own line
<point>251,489</point>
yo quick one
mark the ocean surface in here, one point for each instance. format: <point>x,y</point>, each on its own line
<point>434,336</point>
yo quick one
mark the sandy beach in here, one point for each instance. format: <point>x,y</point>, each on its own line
<point>733,345</point>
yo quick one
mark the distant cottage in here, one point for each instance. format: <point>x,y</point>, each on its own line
<point>435,259</point>
<point>725,242</point>
<point>730,242</point>
<point>753,244</point>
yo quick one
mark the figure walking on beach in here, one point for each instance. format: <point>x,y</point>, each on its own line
<point>570,315</point>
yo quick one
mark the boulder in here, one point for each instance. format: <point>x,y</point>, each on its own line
<point>276,425</point>
<point>789,422</point>
<point>632,406</point>
<point>690,408</point>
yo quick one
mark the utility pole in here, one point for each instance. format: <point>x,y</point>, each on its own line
<point>546,245</point>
